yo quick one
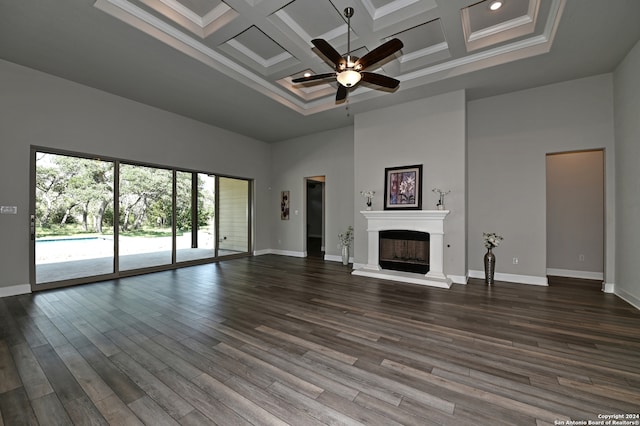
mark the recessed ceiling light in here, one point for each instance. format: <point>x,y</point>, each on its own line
<point>307,74</point>
<point>495,5</point>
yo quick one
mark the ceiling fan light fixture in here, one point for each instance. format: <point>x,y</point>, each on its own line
<point>349,78</point>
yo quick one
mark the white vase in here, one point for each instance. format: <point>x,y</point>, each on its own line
<point>345,255</point>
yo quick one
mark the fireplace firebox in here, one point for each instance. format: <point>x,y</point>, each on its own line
<point>404,250</point>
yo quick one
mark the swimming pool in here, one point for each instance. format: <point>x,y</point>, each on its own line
<point>72,248</point>
<point>49,250</point>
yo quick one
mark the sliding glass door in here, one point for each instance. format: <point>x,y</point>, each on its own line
<point>234,207</point>
<point>99,219</point>
<point>195,216</point>
<point>145,217</point>
<point>72,217</point>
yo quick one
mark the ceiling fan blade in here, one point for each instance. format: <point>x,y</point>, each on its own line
<point>380,80</point>
<point>313,77</point>
<point>379,53</point>
<point>341,95</point>
<point>328,51</point>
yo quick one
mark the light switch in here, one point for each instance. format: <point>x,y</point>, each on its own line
<point>8,209</point>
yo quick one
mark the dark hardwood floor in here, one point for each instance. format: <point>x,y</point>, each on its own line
<point>279,340</point>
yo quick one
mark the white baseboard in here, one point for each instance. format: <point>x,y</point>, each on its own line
<point>587,275</point>
<point>512,278</point>
<point>609,287</point>
<point>261,252</point>
<point>336,258</point>
<point>289,253</point>
<point>629,298</point>
<point>459,279</point>
<point>15,290</point>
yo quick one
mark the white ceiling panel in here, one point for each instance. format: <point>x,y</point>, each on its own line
<point>255,47</point>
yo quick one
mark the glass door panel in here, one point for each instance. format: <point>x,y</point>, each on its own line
<point>145,217</point>
<point>73,217</point>
<point>233,221</point>
<point>195,216</point>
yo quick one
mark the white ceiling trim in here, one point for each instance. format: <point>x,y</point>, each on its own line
<point>309,93</point>
<point>501,27</point>
<point>184,11</point>
<point>201,26</point>
<point>407,57</point>
<point>265,62</point>
<point>300,32</point>
<point>215,14</point>
<point>387,9</point>
<point>500,55</point>
<point>201,21</point>
<point>296,99</point>
<point>508,30</point>
<point>155,27</point>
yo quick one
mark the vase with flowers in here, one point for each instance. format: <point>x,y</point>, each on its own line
<point>346,238</point>
<point>368,195</point>
<point>491,241</point>
<point>441,194</point>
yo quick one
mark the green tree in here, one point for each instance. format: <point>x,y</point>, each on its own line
<point>143,190</point>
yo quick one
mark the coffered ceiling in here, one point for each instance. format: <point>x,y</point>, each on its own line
<point>230,63</point>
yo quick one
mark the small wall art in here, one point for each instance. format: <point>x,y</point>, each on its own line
<point>284,205</point>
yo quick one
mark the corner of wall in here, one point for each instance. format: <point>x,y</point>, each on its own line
<point>628,297</point>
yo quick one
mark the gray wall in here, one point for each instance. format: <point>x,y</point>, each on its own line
<point>430,132</point>
<point>328,154</point>
<point>627,126</point>
<point>508,139</point>
<point>575,214</point>
<point>40,109</point>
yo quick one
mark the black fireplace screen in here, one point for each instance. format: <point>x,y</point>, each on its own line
<point>402,250</point>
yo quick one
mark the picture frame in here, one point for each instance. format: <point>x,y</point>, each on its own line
<point>403,188</point>
<point>284,205</point>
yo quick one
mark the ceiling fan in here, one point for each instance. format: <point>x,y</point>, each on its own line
<point>349,70</point>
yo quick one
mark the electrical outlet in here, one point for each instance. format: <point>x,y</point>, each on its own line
<point>581,257</point>
<point>515,260</point>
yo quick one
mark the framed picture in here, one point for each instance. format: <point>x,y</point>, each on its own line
<point>284,205</point>
<point>403,188</point>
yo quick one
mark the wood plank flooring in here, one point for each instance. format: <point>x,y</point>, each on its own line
<point>274,340</point>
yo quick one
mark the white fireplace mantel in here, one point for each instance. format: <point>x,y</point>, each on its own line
<point>431,221</point>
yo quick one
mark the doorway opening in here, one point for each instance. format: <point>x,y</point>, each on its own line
<point>575,214</point>
<point>314,237</point>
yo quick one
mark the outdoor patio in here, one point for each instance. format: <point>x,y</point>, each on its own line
<point>73,269</point>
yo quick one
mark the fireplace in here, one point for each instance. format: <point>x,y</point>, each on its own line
<point>429,222</point>
<point>404,250</point>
